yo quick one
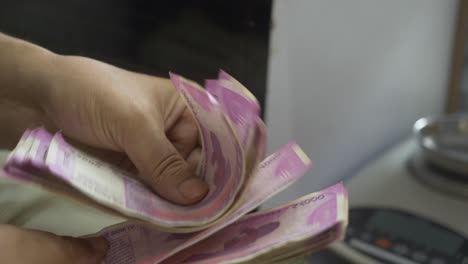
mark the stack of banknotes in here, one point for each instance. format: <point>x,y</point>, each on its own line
<point>218,229</point>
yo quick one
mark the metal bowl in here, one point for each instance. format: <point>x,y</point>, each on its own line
<point>444,142</point>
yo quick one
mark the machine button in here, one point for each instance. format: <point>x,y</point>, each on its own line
<point>383,243</point>
<point>419,256</point>
<point>401,249</point>
<point>437,261</point>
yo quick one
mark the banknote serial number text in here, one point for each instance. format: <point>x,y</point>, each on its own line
<point>269,161</point>
<point>307,201</point>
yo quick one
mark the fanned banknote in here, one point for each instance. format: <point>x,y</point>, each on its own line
<point>217,229</point>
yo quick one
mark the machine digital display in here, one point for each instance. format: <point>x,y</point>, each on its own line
<point>424,234</point>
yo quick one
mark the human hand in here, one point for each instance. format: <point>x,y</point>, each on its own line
<point>141,116</point>
<point>132,116</point>
<point>24,246</point>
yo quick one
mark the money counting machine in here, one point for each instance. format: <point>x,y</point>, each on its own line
<point>411,205</point>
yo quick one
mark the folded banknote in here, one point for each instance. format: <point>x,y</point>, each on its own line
<point>218,229</point>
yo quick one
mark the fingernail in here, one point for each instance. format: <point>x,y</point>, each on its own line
<point>193,189</point>
<point>98,244</point>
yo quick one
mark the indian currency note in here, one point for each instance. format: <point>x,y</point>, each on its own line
<point>224,171</point>
<point>265,232</point>
<point>228,95</point>
<point>242,111</point>
<point>280,170</point>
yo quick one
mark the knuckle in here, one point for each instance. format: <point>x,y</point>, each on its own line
<point>133,118</point>
<point>170,166</point>
<point>137,113</point>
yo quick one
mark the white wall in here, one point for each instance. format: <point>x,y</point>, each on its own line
<point>348,78</point>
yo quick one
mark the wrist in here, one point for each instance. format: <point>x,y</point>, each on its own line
<point>25,68</point>
<point>34,81</point>
<point>24,86</point>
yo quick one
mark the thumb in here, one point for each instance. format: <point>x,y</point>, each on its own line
<point>162,167</point>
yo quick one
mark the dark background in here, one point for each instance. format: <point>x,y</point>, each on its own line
<point>191,38</point>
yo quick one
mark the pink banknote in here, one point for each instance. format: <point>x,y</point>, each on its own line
<point>223,169</point>
<point>216,230</point>
<point>262,232</point>
<point>280,170</point>
<point>242,112</point>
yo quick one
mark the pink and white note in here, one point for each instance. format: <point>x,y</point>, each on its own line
<point>217,229</point>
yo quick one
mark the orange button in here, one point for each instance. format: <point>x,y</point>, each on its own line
<point>383,243</point>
